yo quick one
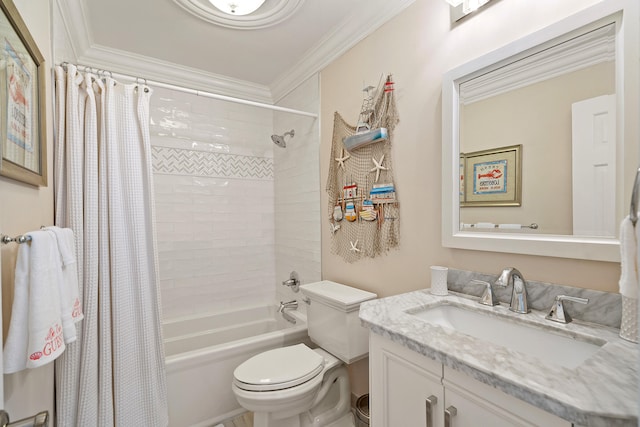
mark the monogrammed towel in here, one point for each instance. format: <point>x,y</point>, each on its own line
<point>35,331</point>
<point>67,269</point>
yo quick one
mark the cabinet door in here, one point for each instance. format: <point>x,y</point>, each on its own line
<point>478,404</point>
<point>405,387</point>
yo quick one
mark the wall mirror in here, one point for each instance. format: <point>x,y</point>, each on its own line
<point>540,139</point>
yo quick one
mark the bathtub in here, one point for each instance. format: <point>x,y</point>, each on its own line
<point>202,353</point>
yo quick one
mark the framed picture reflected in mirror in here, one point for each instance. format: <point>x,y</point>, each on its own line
<point>493,177</point>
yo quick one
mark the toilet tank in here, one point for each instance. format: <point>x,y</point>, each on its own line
<point>332,319</point>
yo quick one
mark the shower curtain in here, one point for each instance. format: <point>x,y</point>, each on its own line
<point>114,374</point>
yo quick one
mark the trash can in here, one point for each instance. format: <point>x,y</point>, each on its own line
<point>362,411</point>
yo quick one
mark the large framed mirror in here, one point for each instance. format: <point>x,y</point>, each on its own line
<point>567,98</point>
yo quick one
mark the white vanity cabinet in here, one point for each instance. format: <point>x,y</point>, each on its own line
<point>402,382</point>
<point>405,387</point>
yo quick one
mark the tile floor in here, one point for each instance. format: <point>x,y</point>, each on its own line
<point>244,420</point>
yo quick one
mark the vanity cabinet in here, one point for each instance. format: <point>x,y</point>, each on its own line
<point>409,389</point>
<point>405,387</point>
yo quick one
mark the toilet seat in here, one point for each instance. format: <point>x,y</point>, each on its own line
<point>279,369</point>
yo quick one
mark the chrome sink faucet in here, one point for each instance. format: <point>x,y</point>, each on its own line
<point>511,276</point>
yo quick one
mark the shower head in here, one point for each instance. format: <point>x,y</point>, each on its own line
<point>279,139</point>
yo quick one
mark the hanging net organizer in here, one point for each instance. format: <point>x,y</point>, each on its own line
<point>363,207</point>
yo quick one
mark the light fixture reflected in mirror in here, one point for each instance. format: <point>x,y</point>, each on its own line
<point>469,6</point>
<point>461,8</point>
<point>237,7</point>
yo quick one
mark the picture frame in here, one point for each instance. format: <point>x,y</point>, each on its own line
<point>493,177</point>
<point>23,147</point>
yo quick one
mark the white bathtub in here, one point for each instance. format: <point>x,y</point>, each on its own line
<point>202,352</point>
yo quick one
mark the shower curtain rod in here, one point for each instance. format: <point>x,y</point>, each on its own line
<point>197,92</point>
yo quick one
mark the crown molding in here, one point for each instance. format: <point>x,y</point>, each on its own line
<point>74,21</point>
<point>352,30</point>
<point>572,55</point>
<point>91,54</point>
<point>168,72</point>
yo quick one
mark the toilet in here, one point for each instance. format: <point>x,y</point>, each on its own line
<point>297,386</point>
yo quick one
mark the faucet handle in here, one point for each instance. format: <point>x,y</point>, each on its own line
<point>558,313</point>
<point>293,282</point>
<point>488,297</point>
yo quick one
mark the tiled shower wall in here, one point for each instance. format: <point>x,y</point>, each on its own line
<point>297,191</point>
<point>235,214</point>
<point>214,180</point>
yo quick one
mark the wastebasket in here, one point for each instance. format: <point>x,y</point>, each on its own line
<point>362,411</point>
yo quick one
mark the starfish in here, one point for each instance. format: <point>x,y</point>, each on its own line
<point>354,247</point>
<point>334,227</point>
<point>342,159</point>
<point>378,167</point>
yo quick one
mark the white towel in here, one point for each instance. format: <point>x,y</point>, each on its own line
<point>628,259</point>
<point>485,225</point>
<point>35,331</point>
<point>510,226</point>
<point>67,270</point>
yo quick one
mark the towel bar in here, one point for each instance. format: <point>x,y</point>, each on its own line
<point>23,238</point>
<point>18,239</point>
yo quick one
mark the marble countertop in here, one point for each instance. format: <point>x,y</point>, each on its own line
<point>602,391</point>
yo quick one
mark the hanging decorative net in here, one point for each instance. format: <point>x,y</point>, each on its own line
<point>360,184</point>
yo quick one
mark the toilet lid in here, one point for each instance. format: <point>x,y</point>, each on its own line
<point>279,369</point>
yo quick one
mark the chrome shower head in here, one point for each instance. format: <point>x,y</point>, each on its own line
<point>279,139</point>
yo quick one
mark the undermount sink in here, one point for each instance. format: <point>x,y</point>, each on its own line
<point>534,341</point>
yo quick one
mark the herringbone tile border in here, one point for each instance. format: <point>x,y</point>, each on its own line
<point>178,161</point>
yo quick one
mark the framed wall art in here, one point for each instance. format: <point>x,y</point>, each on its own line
<point>23,144</point>
<point>493,177</point>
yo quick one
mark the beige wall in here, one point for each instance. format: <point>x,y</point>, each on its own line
<point>417,47</point>
<point>24,208</point>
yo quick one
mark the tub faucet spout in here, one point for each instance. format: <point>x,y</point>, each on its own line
<point>511,276</point>
<point>289,304</point>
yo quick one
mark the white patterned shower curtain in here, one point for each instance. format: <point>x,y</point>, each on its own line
<point>114,375</point>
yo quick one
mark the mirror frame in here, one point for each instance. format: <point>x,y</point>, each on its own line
<point>624,13</point>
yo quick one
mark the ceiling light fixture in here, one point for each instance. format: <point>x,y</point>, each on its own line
<point>237,7</point>
<point>242,14</point>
